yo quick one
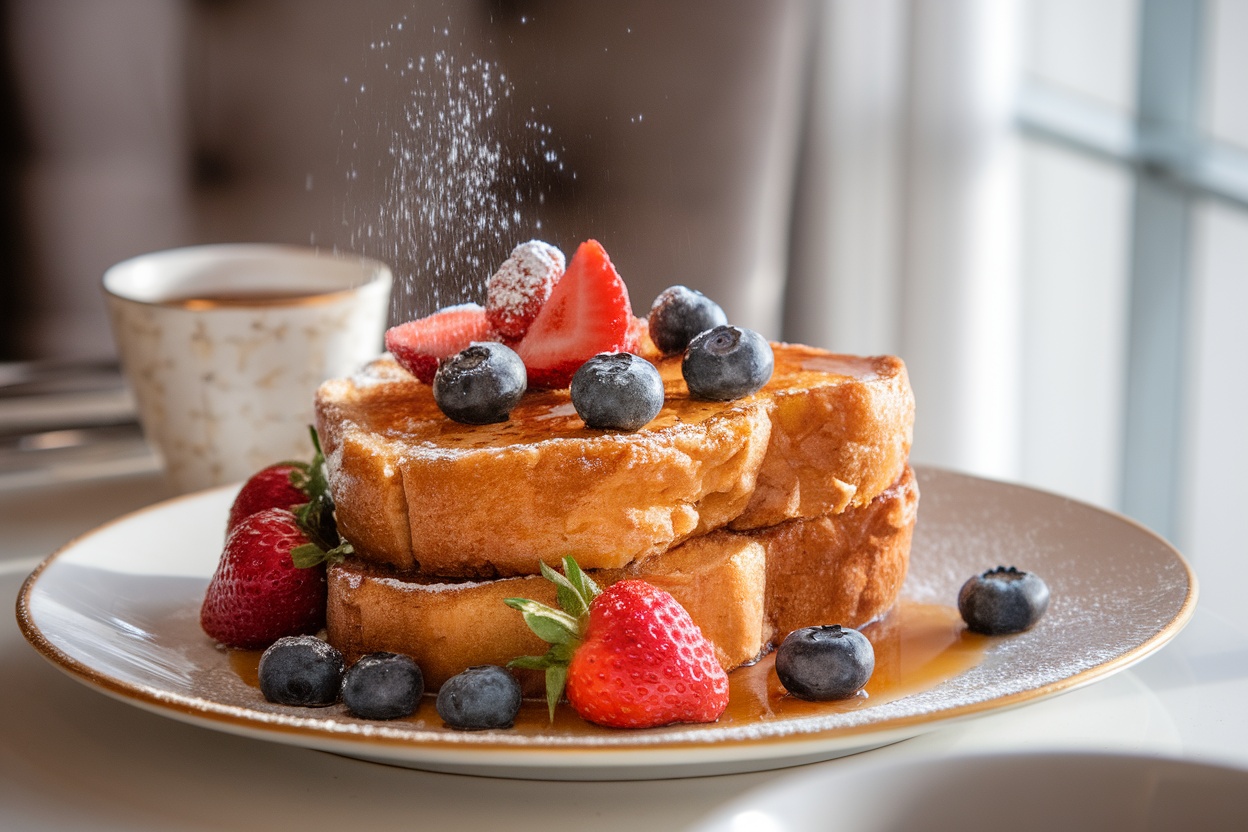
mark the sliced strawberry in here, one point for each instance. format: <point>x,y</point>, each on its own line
<point>515,294</point>
<point>587,313</point>
<point>418,345</point>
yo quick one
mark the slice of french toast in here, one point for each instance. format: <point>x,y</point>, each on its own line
<point>447,625</point>
<point>744,590</point>
<point>417,491</point>
<point>844,568</point>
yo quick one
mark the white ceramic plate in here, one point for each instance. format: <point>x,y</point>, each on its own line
<point>1019,792</point>
<point>118,610</point>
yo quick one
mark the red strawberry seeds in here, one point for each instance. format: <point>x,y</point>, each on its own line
<point>257,594</point>
<point>419,345</point>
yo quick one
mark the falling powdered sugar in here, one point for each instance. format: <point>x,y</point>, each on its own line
<point>441,171</point>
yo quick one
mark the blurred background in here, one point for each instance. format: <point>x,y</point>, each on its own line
<point>1041,205</point>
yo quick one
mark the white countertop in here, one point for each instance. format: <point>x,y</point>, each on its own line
<point>71,758</point>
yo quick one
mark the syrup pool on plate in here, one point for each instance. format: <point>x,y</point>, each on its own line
<point>917,647</point>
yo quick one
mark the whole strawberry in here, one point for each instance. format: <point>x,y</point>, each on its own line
<point>258,594</point>
<point>271,487</point>
<point>629,656</point>
<point>301,487</point>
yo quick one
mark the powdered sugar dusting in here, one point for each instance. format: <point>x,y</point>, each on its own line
<point>455,167</point>
<point>416,587</point>
<point>521,285</point>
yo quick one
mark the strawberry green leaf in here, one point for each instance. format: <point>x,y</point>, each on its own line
<point>562,629</point>
<point>531,662</point>
<point>307,555</point>
<point>556,679</point>
<point>571,600</point>
<point>583,584</point>
<point>339,553</point>
<point>550,625</point>
<point>316,517</point>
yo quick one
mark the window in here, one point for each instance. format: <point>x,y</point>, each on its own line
<point>1135,182</point>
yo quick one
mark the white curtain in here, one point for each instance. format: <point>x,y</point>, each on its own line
<point>905,237</point>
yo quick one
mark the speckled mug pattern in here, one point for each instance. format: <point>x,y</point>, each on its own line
<point>223,391</point>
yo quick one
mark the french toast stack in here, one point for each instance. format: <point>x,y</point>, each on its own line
<point>790,507</point>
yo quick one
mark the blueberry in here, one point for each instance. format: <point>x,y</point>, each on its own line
<point>1002,601</point>
<point>727,362</point>
<point>301,670</point>
<point>617,391</point>
<point>680,313</point>
<point>824,663</point>
<point>480,698</point>
<point>481,384</point>
<point>383,686</point>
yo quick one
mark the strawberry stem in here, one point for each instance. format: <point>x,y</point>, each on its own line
<point>561,629</point>
<point>316,516</point>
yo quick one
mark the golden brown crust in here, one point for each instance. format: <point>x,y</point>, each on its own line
<point>843,568</point>
<point>417,491</point>
<point>742,589</point>
<point>447,626</point>
<point>832,446</point>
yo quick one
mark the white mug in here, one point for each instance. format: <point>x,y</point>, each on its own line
<point>225,345</point>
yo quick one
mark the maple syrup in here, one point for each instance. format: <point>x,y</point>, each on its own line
<point>917,647</point>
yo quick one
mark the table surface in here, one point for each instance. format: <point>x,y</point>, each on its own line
<point>71,758</point>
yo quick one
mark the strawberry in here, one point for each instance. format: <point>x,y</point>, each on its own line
<point>271,487</point>
<point>258,594</point>
<point>587,313</point>
<point>419,345</point>
<point>629,656</point>
<point>270,581</point>
<point>518,290</point>
<point>302,487</point>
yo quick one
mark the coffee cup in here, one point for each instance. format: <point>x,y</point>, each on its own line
<point>224,346</point>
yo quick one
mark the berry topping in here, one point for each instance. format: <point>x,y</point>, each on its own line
<point>617,391</point>
<point>419,345</point>
<point>824,663</point>
<point>518,290</point>
<point>301,670</point>
<point>1002,601</point>
<point>383,686</point>
<point>481,384</point>
<point>680,313</point>
<point>727,362</point>
<point>479,699</point>
<point>271,487</point>
<point>587,313</point>
<point>258,594</point>
<point>629,656</point>
<point>301,487</point>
